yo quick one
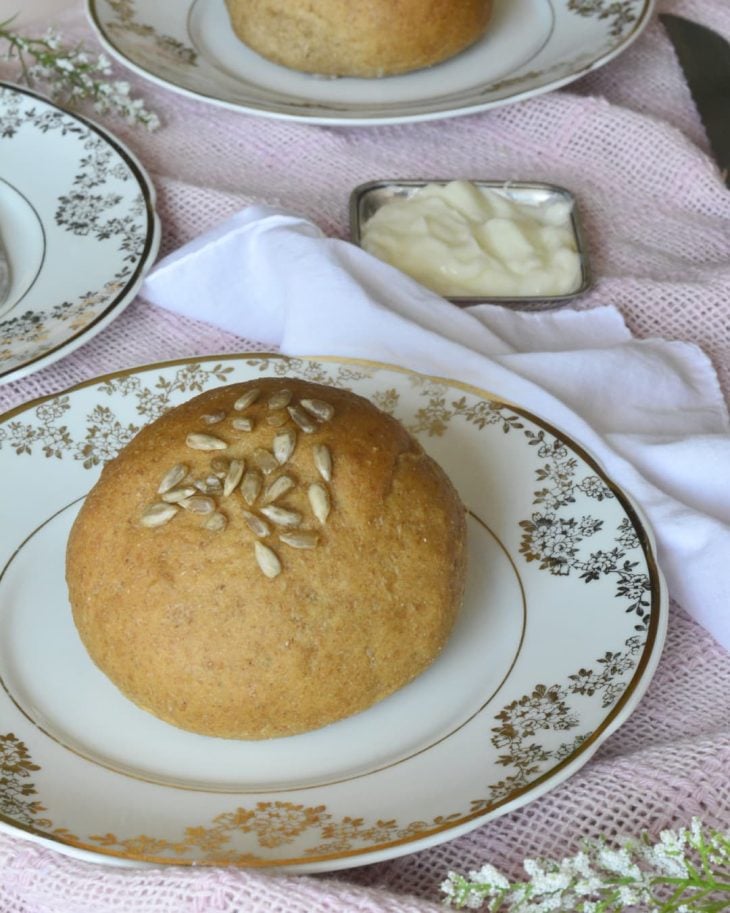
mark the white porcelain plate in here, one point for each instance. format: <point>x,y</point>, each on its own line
<point>78,224</point>
<point>559,635</point>
<point>531,46</point>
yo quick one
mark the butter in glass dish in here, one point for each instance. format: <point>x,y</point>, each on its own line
<point>476,241</point>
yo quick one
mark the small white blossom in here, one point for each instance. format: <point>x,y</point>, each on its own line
<point>447,886</point>
<point>579,864</point>
<point>628,895</point>
<point>550,882</point>
<point>533,868</point>
<point>545,905</point>
<point>489,875</point>
<point>695,836</point>
<point>587,886</point>
<point>618,861</point>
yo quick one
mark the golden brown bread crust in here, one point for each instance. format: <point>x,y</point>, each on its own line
<point>367,38</point>
<point>184,622</point>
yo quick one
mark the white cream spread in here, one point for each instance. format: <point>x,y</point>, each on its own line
<point>459,239</point>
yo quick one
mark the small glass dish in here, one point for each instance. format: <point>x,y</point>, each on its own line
<point>367,198</point>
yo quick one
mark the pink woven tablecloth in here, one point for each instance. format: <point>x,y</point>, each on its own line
<point>629,142</point>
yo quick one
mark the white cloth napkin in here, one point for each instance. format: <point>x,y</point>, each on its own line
<point>650,410</point>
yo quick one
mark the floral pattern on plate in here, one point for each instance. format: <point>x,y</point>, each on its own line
<point>97,231</point>
<point>560,632</point>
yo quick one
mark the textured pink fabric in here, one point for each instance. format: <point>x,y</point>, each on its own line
<point>629,142</point>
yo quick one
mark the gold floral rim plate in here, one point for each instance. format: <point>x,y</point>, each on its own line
<point>560,633</point>
<point>189,46</point>
<point>78,223</point>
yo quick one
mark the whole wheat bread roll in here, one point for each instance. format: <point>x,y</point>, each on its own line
<point>257,607</point>
<point>368,38</point>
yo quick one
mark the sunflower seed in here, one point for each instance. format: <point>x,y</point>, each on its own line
<point>251,486</point>
<point>279,399</point>
<point>245,400</point>
<point>319,500</point>
<point>276,419</point>
<point>197,441</point>
<point>257,526</point>
<point>267,560</point>
<point>178,494</point>
<point>319,409</point>
<point>277,488</point>
<point>265,460</point>
<point>219,465</point>
<point>158,514</point>
<point>300,539</point>
<point>233,477</point>
<point>242,424</point>
<point>323,461</point>
<point>172,477</point>
<point>215,521</point>
<point>281,516</point>
<point>210,486</point>
<point>301,419</point>
<point>213,418</point>
<point>284,444</point>
<point>198,504</point>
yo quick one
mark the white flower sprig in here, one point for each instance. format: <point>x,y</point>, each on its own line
<point>685,871</point>
<point>71,75</point>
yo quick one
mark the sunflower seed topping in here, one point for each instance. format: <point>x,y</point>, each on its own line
<point>257,526</point>
<point>267,560</point>
<point>263,514</point>
<point>213,418</point>
<point>251,486</point>
<point>210,486</point>
<point>158,514</point>
<point>198,504</point>
<point>245,400</point>
<point>233,477</point>
<point>265,460</point>
<point>172,477</point>
<point>284,444</point>
<point>323,461</point>
<point>281,516</point>
<point>219,465</point>
<point>176,495</point>
<point>277,489</point>
<point>197,441</point>
<point>299,539</point>
<point>301,419</point>
<point>319,409</point>
<point>280,399</point>
<point>276,419</point>
<point>242,424</point>
<point>319,500</point>
<point>215,521</point>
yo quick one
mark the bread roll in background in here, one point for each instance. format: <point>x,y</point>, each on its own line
<point>215,618</point>
<point>368,38</point>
